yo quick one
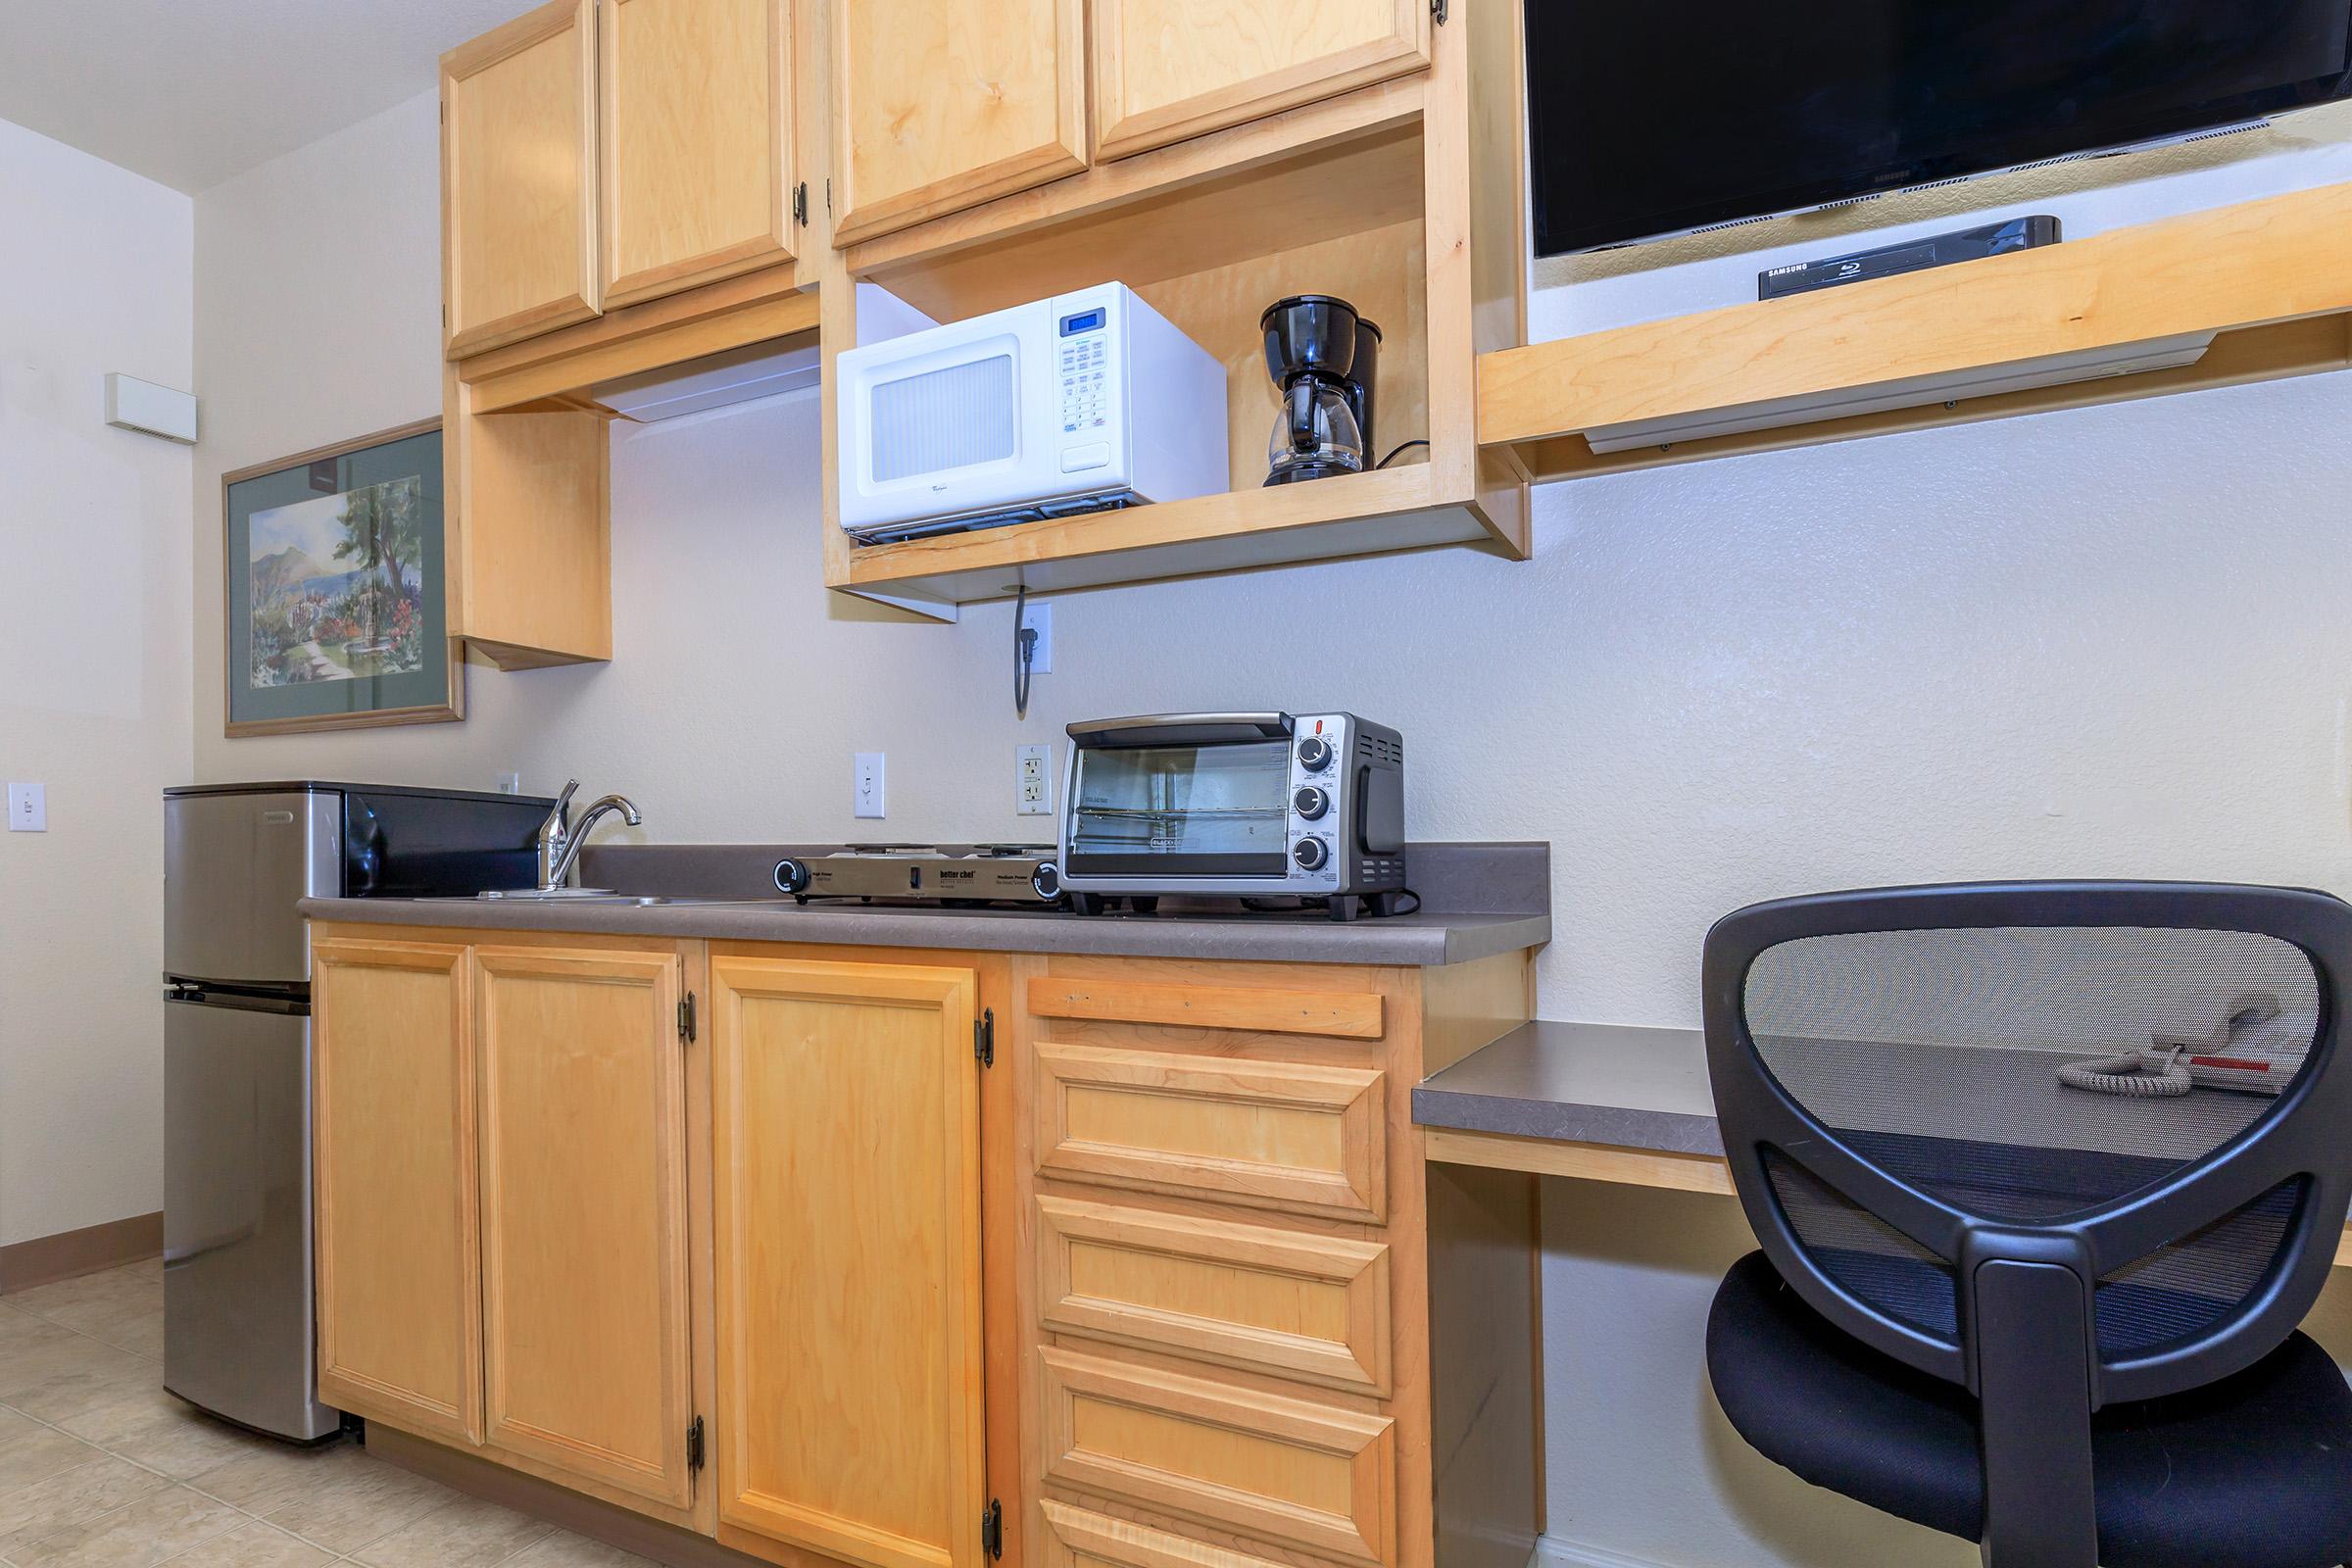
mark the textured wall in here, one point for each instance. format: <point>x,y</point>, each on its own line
<point>94,276</point>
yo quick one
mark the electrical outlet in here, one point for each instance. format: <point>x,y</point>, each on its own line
<point>1039,618</point>
<point>1033,779</point>
<point>28,808</point>
<point>868,784</point>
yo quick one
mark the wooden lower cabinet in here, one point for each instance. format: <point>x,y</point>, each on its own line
<point>846,1148</point>
<point>583,1191</point>
<point>395,1175</point>
<point>1163,1283</point>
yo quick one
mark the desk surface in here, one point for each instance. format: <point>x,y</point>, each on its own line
<point>1600,1103</point>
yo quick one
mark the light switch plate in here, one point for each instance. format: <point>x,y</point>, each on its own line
<point>866,784</point>
<point>28,809</point>
<point>1033,779</point>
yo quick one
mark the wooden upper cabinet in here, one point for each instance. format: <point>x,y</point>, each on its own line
<point>1165,69</point>
<point>395,1176</point>
<point>939,107</point>
<point>846,1146</point>
<point>695,142</point>
<point>583,1199</point>
<point>519,177</point>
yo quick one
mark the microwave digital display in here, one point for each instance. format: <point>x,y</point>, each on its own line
<point>1083,322</point>
<point>1174,811</point>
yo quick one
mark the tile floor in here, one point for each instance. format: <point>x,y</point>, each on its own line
<point>100,1468</point>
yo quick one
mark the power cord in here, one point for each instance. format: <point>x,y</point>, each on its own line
<point>1400,450</point>
<point>1024,651</point>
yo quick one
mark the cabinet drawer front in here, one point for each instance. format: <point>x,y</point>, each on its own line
<point>1315,1307</point>
<point>1165,69</point>
<point>1272,1135</point>
<point>1080,1538</point>
<point>1282,1470</point>
<point>1348,1015</point>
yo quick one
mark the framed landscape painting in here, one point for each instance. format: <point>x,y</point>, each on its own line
<point>337,613</point>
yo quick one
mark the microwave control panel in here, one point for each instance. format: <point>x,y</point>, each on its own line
<point>1318,747</point>
<point>1085,364</point>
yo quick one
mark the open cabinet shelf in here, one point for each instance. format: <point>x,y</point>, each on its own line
<point>2270,280</point>
<point>1369,196</point>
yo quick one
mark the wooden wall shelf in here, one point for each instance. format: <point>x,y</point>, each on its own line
<point>1401,196</point>
<point>2272,278</point>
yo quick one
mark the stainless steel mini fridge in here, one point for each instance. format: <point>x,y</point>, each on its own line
<point>238,1326</point>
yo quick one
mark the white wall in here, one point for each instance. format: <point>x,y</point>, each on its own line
<point>2107,642</point>
<point>94,565</point>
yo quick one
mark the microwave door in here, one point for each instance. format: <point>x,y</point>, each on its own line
<point>955,427</point>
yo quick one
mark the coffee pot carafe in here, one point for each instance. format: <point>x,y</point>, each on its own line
<point>1324,358</point>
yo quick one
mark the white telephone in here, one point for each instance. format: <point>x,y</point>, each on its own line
<point>2243,1054</point>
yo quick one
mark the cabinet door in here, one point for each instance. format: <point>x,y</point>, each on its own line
<point>394,1177</point>
<point>695,142</point>
<point>519,177</point>
<point>846,1151</point>
<point>584,1214</point>
<point>1165,69</point>
<point>942,107</point>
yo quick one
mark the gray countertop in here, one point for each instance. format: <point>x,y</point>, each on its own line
<point>1480,899</point>
<point>1585,1083</point>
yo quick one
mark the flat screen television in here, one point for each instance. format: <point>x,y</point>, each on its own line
<point>1650,117</point>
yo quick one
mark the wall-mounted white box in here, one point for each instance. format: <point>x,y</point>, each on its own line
<point>135,405</point>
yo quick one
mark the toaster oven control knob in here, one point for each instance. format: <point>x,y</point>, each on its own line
<point>1314,754</point>
<point>1311,801</point>
<point>1310,855</point>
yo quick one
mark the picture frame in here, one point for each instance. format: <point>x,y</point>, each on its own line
<point>335,588</point>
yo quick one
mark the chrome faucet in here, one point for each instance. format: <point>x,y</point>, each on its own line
<point>559,849</point>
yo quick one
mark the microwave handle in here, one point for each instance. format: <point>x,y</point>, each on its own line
<point>1182,729</point>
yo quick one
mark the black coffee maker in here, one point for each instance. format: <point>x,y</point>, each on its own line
<point>1325,359</point>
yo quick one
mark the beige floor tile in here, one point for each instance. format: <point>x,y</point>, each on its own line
<point>358,1507</point>
<point>35,1349</point>
<point>68,1497</point>
<point>269,1475</point>
<point>76,1379</point>
<point>67,1300</point>
<point>37,1454</point>
<point>465,1532</point>
<point>256,1545</point>
<point>563,1550</point>
<point>153,1530</point>
<point>133,1326</point>
<point>150,1427</point>
<point>15,1424</point>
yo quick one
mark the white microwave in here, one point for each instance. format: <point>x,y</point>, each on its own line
<point>1074,404</point>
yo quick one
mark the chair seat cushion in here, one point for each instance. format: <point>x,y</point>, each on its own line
<point>2254,1471</point>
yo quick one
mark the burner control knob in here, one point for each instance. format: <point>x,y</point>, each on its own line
<point>791,878</point>
<point>1314,754</point>
<point>1310,855</point>
<point>1311,801</point>
<point>1045,882</point>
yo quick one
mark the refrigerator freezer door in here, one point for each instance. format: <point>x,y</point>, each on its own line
<point>233,867</point>
<point>239,1336</point>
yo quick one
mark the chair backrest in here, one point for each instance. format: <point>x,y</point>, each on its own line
<point>1887,1072</point>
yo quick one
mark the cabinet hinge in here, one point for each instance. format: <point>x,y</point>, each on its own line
<point>992,1529</point>
<point>984,1037</point>
<point>1437,9</point>
<point>694,1445</point>
<point>799,204</point>
<point>686,1017</point>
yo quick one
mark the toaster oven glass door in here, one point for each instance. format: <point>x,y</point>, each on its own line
<point>1182,811</point>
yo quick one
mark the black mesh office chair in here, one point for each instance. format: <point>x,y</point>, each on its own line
<point>2014,1288</point>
